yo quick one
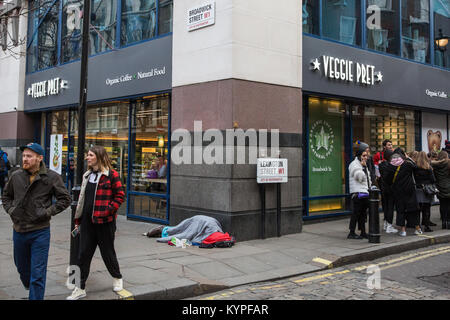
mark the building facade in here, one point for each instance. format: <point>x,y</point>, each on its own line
<point>323,73</point>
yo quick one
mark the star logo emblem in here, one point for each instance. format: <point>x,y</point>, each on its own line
<point>322,140</point>
<point>379,77</point>
<point>316,64</point>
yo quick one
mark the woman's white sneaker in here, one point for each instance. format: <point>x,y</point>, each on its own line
<point>418,232</point>
<point>117,285</point>
<point>402,233</point>
<point>391,229</point>
<point>77,293</point>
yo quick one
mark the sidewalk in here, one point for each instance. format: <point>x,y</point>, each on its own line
<point>154,270</point>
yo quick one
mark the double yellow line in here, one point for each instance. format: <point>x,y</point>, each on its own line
<point>409,258</point>
<point>382,265</point>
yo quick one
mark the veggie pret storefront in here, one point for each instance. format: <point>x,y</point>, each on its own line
<point>351,94</point>
<point>128,113</point>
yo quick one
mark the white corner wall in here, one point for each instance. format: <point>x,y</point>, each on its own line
<point>255,40</point>
<point>12,72</point>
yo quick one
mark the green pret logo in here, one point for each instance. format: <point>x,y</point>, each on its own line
<point>321,139</point>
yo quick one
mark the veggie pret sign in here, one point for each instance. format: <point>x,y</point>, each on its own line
<point>56,146</point>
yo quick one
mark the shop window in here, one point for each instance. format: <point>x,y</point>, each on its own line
<point>326,161</point>
<point>43,51</point>
<point>103,25</point>
<point>384,37</point>
<point>149,172</point>
<point>310,16</point>
<point>441,16</point>
<point>373,124</point>
<point>165,16</point>
<point>416,30</point>
<point>138,20</point>
<point>72,24</point>
<point>342,20</point>
<point>107,126</point>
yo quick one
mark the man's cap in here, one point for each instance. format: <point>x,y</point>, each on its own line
<point>34,147</point>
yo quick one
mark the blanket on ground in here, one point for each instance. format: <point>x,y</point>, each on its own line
<point>195,229</point>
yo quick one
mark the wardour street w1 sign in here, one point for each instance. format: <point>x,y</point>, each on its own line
<point>272,170</point>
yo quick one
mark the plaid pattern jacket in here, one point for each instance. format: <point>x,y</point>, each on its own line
<point>108,197</point>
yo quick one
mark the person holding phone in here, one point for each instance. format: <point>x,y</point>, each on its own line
<point>360,182</point>
<point>95,218</point>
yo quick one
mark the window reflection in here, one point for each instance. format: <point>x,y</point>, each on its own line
<point>415,30</point>
<point>72,23</point>
<point>165,16</point>
<point>342,20</point>
<point>138,20</point>
<point>310,16</point>
<point>384,38</point>
<point>150,130</point>
<point>103,25</point>
<point>441,16</point>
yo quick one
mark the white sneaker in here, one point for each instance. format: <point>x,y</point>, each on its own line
<point>385,225</point>
<point>418,232</point>
<point>402,233</point>
<point>69,285</point>
<point>77,293</point>
<point>117,285</point>
<point>391,229</point>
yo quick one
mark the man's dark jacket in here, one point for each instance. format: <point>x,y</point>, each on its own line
<point>30,205</point>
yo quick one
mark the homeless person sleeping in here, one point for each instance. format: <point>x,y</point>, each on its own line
<point>202,231</point>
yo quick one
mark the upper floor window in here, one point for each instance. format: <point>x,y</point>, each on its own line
<point>311,17</point>
<point>138,20</point>
<point>441,16</point>
<point>382,26</point>
<point>43,35</point>
<point>342,20</point>
<point>416,30</point>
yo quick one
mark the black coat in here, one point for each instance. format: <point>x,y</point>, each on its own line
<point>424,176</point>
<point>442,174</point>
<point>30,205</point>
<point>403,189</point>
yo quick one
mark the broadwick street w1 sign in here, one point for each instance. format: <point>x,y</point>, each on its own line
<point>346,70</point>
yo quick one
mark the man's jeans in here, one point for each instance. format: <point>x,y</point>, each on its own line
<point>31,256</point>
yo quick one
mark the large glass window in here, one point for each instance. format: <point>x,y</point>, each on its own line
<point>310,16</point>
<point>138,20</point>
<point>72,23</point>
<point>150,133</point>
<point>383,37</point>
<point>103,25</point>
<point>165,16</point>
<point>416,30</point>
<point>441,16</point>
<point>43,51</point>
<point>374,123</point>
<point>342,20</point>
<point>326,165</point>
<point>107,126</point>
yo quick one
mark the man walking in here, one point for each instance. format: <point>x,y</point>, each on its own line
<point>27,198</point>
<point>4,167</point>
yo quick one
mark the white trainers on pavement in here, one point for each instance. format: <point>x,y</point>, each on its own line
<point>77,293</point>
<point>117,285</point>
<point>418,232</point>
<point>385,225</point>
<point>402,233</point>
<point>391,229</point>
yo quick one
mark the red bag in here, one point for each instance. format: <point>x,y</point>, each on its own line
<point>217,237</point>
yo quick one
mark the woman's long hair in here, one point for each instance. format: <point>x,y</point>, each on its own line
<point>422,160</point>
<point>103,161</point>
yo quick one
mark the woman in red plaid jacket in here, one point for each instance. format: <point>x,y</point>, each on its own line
<point>95,217</point>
